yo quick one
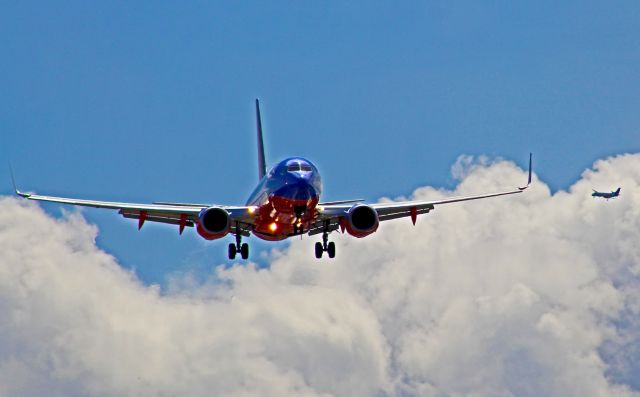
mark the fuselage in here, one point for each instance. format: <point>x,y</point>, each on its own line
<point>285,199</point>
<point>606,195</point>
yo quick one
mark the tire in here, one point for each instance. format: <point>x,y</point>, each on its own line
<point>244,251</point>
<point>319,250</point>
<point>232,251</point>
<point>331,250</point>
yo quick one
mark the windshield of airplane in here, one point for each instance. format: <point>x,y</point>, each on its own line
<point>299,167</point>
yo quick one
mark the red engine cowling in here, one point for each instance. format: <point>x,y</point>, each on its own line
<point>213,223</point>
<point>361,221</point>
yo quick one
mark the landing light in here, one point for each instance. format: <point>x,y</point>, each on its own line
<point>273,227</point>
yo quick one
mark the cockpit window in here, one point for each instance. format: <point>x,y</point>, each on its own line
<point>299,167</point>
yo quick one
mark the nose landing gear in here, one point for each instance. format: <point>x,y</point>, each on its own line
<point>299,210</point>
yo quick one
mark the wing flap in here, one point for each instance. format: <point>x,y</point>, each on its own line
<point>155,218</point>
<point>403,214</point>
<point>319,227</point>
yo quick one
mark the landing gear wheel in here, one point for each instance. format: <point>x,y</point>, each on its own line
<point>319,250</point>
<point>325,245</point>
<point>244,251</point>
<point>238,247</point>
<point>331,249</point>
<point>232,251</point>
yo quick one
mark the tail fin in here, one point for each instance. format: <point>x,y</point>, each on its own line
<point>262,166</point>
<point>618,191</point>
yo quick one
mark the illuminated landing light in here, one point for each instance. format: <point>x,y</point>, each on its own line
<point>273,227</point>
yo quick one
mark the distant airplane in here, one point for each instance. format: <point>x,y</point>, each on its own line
<point>285,203</point>
<point>606,195</point>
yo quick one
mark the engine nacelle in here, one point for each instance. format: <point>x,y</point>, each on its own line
<point>361,220</point>
<point>213,223</point>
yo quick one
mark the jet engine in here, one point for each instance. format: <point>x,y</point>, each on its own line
<point>361,220</point>
<point>213,223</point>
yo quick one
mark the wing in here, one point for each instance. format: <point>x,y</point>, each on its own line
<point>179,214</point>
<point>329,215</point>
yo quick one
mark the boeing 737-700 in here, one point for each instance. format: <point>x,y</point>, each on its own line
<point>285,203</point>
<point>606,195</point>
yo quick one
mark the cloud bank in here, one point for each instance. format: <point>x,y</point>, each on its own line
<point>532,295</point>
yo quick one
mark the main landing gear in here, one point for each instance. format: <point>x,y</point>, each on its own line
<point>242,248</point>
<point>325,246</point>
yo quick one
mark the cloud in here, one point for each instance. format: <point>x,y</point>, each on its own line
<point>529,295</point>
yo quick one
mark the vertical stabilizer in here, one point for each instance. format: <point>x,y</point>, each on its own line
<point>262,166</point>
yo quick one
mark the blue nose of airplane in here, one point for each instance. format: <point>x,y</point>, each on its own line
<point>304,175</point>
<point>298,187</point>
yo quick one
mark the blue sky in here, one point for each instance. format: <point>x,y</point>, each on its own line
<point>154,100</point>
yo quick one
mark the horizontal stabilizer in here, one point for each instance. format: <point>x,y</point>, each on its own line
<point>342,202</point>
<point>182,204</point>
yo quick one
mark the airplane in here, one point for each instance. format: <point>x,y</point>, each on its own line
<point>285,203</point>
<point>606,195</point>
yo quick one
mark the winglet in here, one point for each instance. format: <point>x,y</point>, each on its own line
<point>15,188</point>
<point>529,179</point>
<point>262,166</point>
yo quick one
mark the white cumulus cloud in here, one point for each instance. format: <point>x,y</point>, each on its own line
<point>528,295</point>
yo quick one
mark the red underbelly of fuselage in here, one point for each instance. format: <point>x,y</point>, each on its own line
<point>277,219</point>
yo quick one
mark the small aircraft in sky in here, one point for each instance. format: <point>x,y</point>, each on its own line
<point>606,195</point>
<point>285,203</point>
